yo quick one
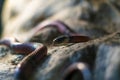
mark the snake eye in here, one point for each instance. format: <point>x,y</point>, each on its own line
<point>61,40</point>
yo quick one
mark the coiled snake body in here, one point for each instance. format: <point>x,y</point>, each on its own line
<point>26,68</point>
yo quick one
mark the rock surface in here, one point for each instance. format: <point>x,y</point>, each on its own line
<point>101,54</point>
<point>88,17</point>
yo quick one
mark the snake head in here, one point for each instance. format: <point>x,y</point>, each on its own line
<point>61,40</point>
<point>65,39</point>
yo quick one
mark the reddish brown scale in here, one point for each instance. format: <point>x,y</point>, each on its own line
<point>66,27</point>
<point>77,71</point>
<point>8,41</point>
<point>78,38</point>
<point>70,39</point>
<point>23,48</point>
<point>61,26</point>
<point>5,42</point>
<point>27,67</point>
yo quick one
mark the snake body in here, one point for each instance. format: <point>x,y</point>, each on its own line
<point>35,53</point>
<point>26,68</point>
<point>81,69</point>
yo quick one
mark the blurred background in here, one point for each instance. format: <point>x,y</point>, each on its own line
<point>21,16</point>
<point>32,21</point>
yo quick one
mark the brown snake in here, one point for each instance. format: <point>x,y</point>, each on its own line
<point>26,68</point>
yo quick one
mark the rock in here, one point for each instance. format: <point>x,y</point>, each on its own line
<point>79,12</point>
<point>105,15</point>
<point>86,28</point>
<point>107,62</point>
<point>62,57</point>
<point>1,8</point>
<point>116,3</point>
<point>40,11</point>
<point>59,58</point>
<point>101,54</point>
<point>3,51</point>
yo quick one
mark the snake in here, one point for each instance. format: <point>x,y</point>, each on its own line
<point>80,69</point>
<point>34,54</point>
